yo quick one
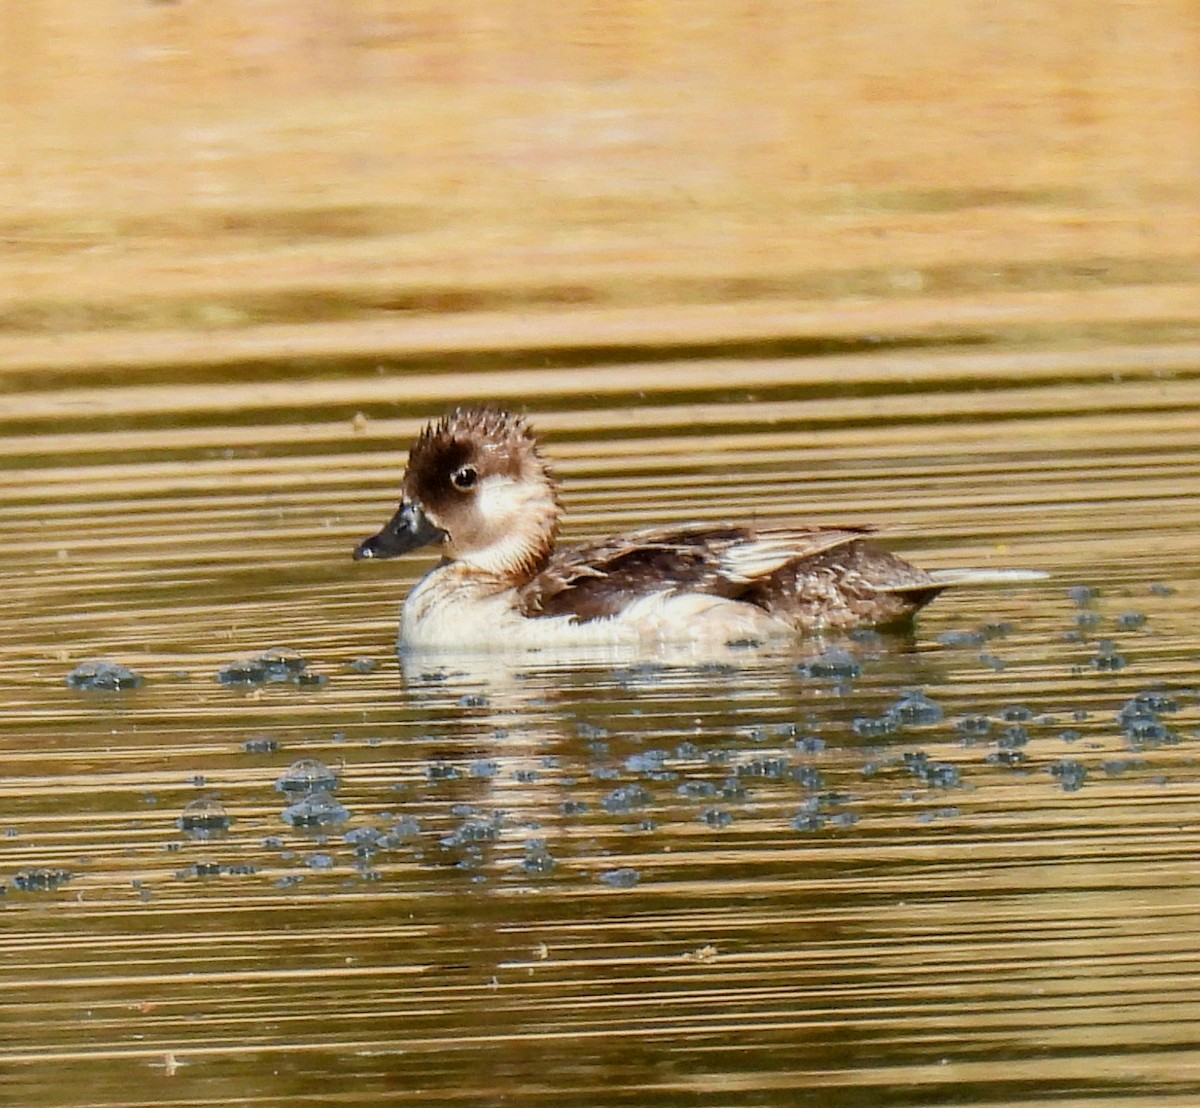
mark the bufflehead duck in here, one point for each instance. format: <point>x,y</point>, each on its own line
<point>477,486</point>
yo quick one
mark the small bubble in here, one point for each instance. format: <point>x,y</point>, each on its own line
<point>915,709</point>
<point>40,880</point>
<point>404,828</point>
<point>1012,738</point>
<point>623,878</point>
<point>1107,657</point>
<point>538,860</point>
<point>276,666</point>
<point>203,818</point>
<point>1006,757</point>
<point>954,639</point>
<point>98,676</point>
<point>834,663</point>
<point>1130,621</point>
<point>650,761</point>
<point>871,727</point>
<point>625,799</point>
<point>1015,713</point>
<point>260,746</point>
<point>308,775</point>
<point>808,777</point>
<point>1070,773</point>
<point>366,841</point>
<point>937,775</point>
<point>314,810</point>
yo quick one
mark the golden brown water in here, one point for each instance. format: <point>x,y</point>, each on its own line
<point>934,268</point>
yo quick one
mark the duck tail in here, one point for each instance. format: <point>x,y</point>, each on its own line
<point>947,577</point>
<point>951,578</point>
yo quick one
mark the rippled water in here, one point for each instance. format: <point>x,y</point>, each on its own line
<point>954,867</point>
<point>611,880</point>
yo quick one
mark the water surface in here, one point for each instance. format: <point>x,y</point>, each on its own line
<point>936,273</point>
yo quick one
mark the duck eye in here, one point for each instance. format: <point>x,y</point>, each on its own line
<point>464,478</point>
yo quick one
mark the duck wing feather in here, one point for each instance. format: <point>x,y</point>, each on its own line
<point>598,579</point>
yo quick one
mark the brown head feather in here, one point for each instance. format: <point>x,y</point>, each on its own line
<point>511,510</point>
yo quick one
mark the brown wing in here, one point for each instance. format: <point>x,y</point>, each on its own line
<point>600,578</point>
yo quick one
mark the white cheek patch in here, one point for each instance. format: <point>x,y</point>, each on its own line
<point>510,521</point>
<point>498,499</point>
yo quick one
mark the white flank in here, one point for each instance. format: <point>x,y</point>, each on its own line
<point>443,613</point>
